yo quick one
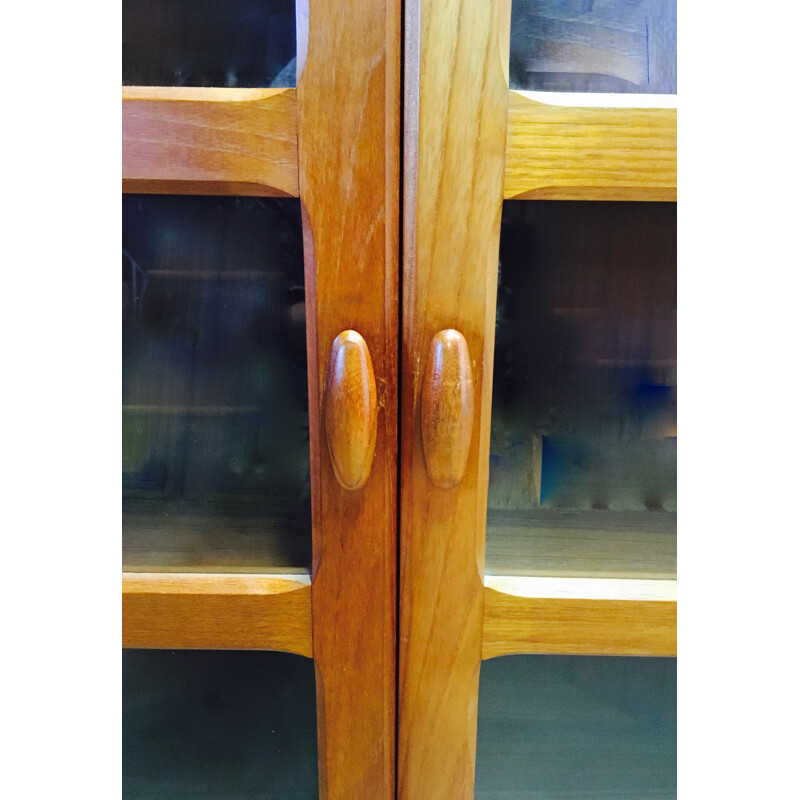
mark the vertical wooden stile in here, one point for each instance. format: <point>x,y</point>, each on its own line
<point>348,98</point>
<point>456,105</point>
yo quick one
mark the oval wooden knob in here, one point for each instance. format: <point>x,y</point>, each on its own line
<point>447,407</point>
<point>351,409</point>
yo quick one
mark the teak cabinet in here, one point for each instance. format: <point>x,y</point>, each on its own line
<point>395,607</point>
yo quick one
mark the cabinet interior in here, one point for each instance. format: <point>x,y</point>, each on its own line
<point>564,727</point>
<point>582,468</point>
<point>619,46</point>
<point>214,388</point>
<point>232,43</point>
<point>218,725</point>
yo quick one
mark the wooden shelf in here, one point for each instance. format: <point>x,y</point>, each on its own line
<point>586,544</point>
<point>582,582</point>
<point>163,536</point>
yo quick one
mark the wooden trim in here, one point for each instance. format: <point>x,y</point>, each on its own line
<point>209,141</point>
<point>565,153</point>
<point>578,626</point>
<point>238,612</point>
<point>455,119</point>
<point>348,102</point>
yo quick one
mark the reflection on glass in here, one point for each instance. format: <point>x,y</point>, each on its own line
<point>594,46</point>
<point>582,475</point>
<point>218,725</point>
<point>214,392</point>
<point>245,43</point>
<point>565,727</point>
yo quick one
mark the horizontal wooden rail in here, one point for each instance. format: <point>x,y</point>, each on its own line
<point>581,617</point>
<point>209,141</point>
<point>201,611</point>
<point>556,152</point>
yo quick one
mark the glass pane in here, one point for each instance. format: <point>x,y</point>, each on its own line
<point>215,471</point>
<point>566,727</point>
<point>218,725</point>
<point>582,475</point>
<point>245,43</point>
<point>594,46</point>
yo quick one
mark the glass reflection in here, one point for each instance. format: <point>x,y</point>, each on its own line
<point>214,390</point>
<point>624,46</point>
<point>584,410</point>
<point>244,43</point>
<point>218,725</point>
<point>564,727</point>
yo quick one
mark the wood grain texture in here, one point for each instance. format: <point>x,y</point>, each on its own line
<point>448,403</point>
<point>582,543</point>
<point>564,153</point>
<point>455,118</point>
<point>161,536</point>
<point>575,625</point>
<point>348,130</point>
<point>236,612</point>
<point>351,412</point>
<point>209,141</point>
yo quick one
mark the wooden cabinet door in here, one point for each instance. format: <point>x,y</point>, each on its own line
<point>593,587</point>
<point>332,142</point>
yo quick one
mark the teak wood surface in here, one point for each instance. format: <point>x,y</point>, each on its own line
<point>351,410</point>
<point>193,140</point>
<point>448,402</point>
<point>563,153</point>
<point>348,105</point>
<point>577,626</point>
<point>454,147</point>
<point>237,612</point>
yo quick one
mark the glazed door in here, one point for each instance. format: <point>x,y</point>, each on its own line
<point>260,257</point>
<point>538,402</point>
<point>260,396</point>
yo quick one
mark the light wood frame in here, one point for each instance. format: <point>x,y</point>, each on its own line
<point>334,143</point>
<point>470,143</point>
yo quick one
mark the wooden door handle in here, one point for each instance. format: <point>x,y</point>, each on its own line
<point>448,403</point>
<point>351,410</point>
